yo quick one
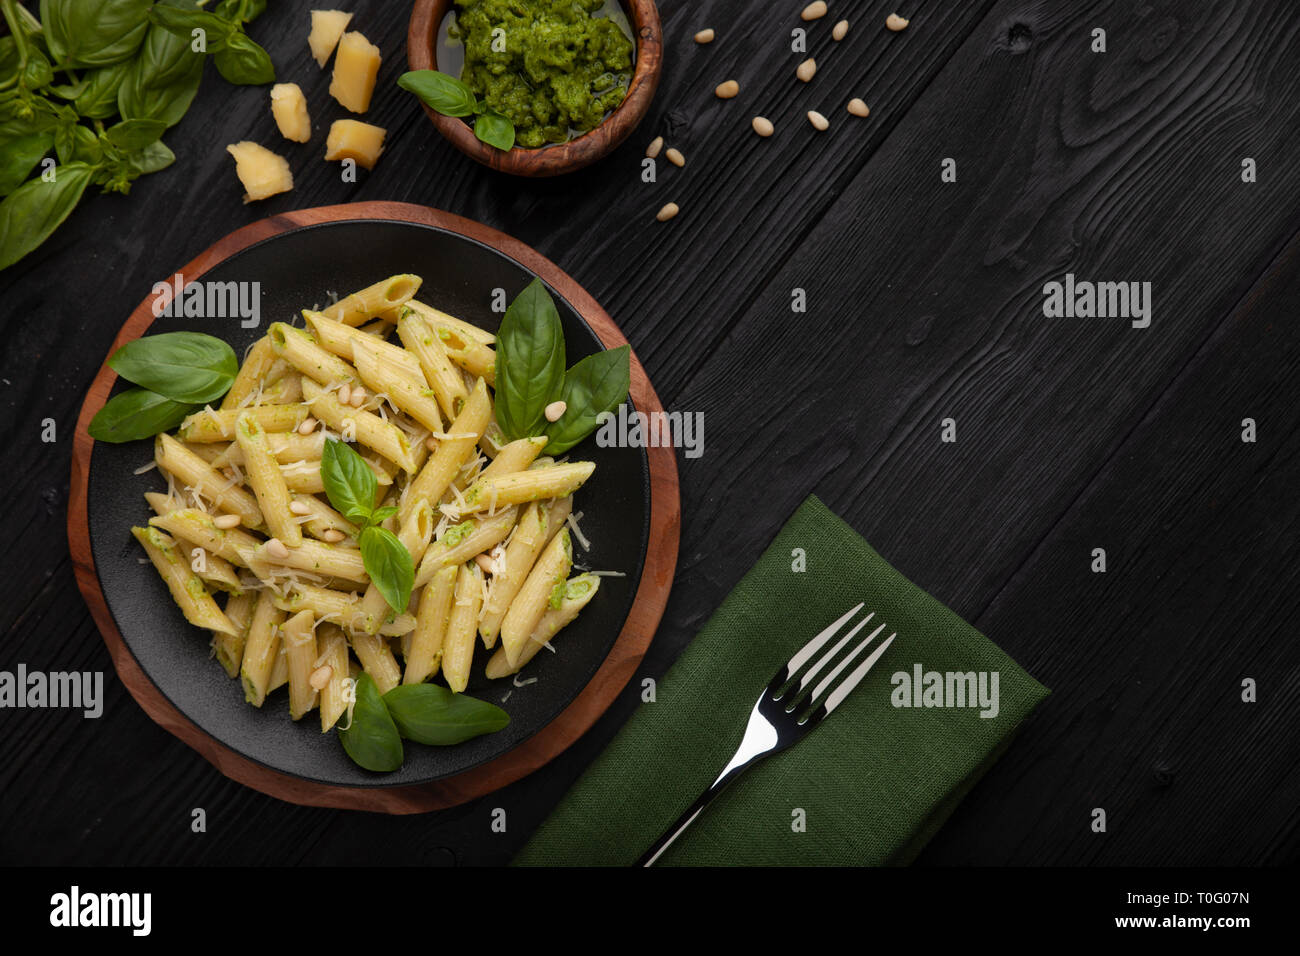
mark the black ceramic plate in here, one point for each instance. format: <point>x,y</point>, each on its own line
<point>297,270</point>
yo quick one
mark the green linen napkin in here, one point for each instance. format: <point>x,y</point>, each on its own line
<point>869,786</point>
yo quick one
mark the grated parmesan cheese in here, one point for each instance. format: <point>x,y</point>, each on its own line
<point>572,520</point>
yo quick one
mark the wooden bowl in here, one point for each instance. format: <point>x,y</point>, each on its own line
<point>421,45</point>
<point>173,694</point>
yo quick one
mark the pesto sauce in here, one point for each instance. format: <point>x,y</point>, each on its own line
<point>556,72</point>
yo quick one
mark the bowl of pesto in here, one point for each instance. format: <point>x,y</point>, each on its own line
<point>573,77</point>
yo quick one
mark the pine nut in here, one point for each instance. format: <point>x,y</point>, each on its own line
<point>307,427</point>
<point>814,11</point>
<point>555,410</point>
<point>806,69</point>
<point>667,212</point>
<point>704,36</point>
<point>763,126</point>
<point>320,677</point>
<point>895,22</point>
<point>277,549</point>
<point>858,108</point>
<point>840,31</point>
<point>727,90</point>
<point>819,121</point>
<point>299,507</point>
<point>431,443</point>
<point>345,395</point>
<point>652,150</point>
<point>226,522</point>
<point>674,156</point>
<point>333,536</point>
<point>358,397</point>
<point>484,562</point>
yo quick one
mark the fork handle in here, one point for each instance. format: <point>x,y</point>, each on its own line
<point>694,810</point>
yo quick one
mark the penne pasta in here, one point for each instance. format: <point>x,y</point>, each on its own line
<point>333,647</point>
<point>211,425</point>
<point>458,642</point>
<point>365,427</point>
<point>300,349</point>
<point>299,637</point>
<point>228,649</point>
<point>377,660</point>
<point>454,451</point>
<point>316,557</point>
<point>578,592</point>
<point>287,447</point>
<point>197,527</point>
<point>343,340</point>
<point>533,484</point>
<point>256,370</point>
<point>445,380</point>
<point>425,650</point>
<point>543,588</point>
<point>409,395</point>
<point>460,543</point>
<point>261,649</point>
<point>186,587</point>
<point>380,300</point>
<point>265,479</point>
<point>191,471</point>
<point>440,319</point>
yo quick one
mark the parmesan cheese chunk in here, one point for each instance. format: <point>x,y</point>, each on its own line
<point>353,139</point>
<point>356,64</point>
<point>326,28</point>
<point>289,107</point>
<point>262,172</point>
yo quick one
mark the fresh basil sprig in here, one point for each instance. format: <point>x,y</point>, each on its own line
<point>370,737</point>
<point>449,96</point>
<point>179,373</point>
<point>431,714</point>
<point>351,488</point>
<point>89,60</point>
<point>530,375</point>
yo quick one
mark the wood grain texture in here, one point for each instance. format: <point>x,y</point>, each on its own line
<point>577,153</point>
<point>573,721</point>
<point>924,303</point>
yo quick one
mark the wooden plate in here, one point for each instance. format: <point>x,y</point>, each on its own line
<point>632,520</point>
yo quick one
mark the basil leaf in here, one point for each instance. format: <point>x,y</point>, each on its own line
<point>161,82</point>
<point>152,158</point>
<point>597,384</point>
<point>529,362</point>
<point>371,738</point>
<point>134,134</point>
<point>30,213</point>
<point>440,92</point>
<point>350,485</point>
<point>19,155</point>
<point>432,714</point>
<point>183,366</point>
<point>181,22</point>
<point>244,63</point>
<point>86,147</point>
<point>383,514</point>
<point>94,34</point>
<point>389,565</point>
<point>240,11</point>
<point>495,130</point>
<point>38,71</point>
<point>137,413</point>
<point>98,97</point>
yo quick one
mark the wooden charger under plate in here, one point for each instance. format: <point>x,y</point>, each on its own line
<point>613,673</point>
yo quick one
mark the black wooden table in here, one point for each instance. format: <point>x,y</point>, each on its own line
<point>924,303</point>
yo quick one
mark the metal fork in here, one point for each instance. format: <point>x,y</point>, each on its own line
<point>784,714</point>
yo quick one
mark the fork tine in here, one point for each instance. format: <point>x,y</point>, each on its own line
<point>839,646</point>
<point>855,678</point>
<point>829,678</point>
<point>802,656</point>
